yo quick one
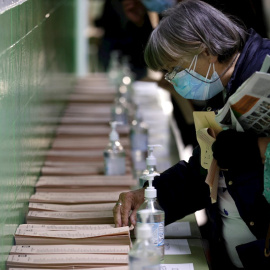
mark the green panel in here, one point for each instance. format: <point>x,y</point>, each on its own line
<point>37,61</point>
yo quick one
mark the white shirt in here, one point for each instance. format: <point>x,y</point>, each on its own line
<point>234,229</point>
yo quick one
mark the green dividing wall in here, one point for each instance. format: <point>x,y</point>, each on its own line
<point>36,66</point>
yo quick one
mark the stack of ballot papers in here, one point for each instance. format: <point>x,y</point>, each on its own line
<point>72,207</point>
<point>68,257</point>
<point>85,143</point>
<point>72,268</point>
<point>93,183</point>
<point>71,165</point>
<point>72,234</point>
<point>70,224</point>
<point>88,207</point>
<point>89,131</point>
<point>49,217</point>
<point>74,197</point>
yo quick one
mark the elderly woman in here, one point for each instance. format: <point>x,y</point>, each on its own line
<point>207,56</point>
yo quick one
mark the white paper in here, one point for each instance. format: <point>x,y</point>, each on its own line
<point>176,246</point>
<point>184,266</point>
<point>178,229</point>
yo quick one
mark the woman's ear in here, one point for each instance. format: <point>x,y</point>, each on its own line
<point>211,58</point>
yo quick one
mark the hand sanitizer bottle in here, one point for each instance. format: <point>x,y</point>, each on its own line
<point>127,80</point>
<point>156,217</point>
<point>144,255</point>
<point>139,134</point>
<point>119,111</point>
<point>114,154</point>
<point>151,163</point>
<point>115,68</point>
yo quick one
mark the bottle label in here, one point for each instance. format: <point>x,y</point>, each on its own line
<point>157,233</point>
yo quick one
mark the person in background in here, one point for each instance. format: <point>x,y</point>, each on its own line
<point>206,55</point>
<point>123,35</point>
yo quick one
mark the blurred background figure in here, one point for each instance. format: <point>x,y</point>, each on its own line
<point>123,35</point>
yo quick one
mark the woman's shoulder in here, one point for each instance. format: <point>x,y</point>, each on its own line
<point>250,60</point>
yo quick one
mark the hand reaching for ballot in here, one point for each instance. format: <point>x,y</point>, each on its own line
<point>128,201</point>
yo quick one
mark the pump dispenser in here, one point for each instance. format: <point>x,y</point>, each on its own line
<point>156,217</point>
<point>151,163</point>
<point>114,154</point>
<point>144,255</point>
<point>138,133</point>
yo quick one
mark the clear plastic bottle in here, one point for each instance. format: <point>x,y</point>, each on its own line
<point>119,111</point>
<point>156,217</point>
<point>151,163</point>
<point>138,134</point>
<point>144,255</point>
<point>114,154</point>
<point>115,69</point>
<point>127,80</point>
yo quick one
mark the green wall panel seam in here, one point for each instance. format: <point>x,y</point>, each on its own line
<point>34,28</point>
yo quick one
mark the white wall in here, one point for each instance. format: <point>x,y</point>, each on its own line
<point>82,57</point>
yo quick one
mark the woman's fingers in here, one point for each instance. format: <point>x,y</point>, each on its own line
<point>127,202</point>
<point>126,207</point>
<point>133,217</point>
<point>117,215</point>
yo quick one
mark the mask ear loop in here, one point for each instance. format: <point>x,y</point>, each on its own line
<point>206,77</point>
<point>194,60</point>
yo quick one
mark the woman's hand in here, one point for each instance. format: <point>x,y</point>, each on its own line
<point>127,202</point>
<point>234,149</point>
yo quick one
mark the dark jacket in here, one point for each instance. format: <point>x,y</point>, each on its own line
<point>250,60</point>
<point>181,190</point>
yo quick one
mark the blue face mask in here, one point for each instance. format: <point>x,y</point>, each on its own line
<point>191,85</point>
<point>158,5</point>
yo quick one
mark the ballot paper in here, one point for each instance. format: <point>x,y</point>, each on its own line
<point>64,260</point>
<point>65,227</point>
<point>82,155</point>
<point>84,143</point>
<point>110,236</point>
<point>71,208</point>
<point>91,98</point>
<point>97,130</point>
<point>74,155</point>
<point>206,131</point>
<point>69,249</point>
<point>49,217</point>
<point>95,110</point>
<point>75,198</point>
<point>176,247</point>
<point>100,268</point>
<point>90,183</point>
<point>84,120</point>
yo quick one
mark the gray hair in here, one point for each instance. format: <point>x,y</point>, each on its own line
<point>187,29</point>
